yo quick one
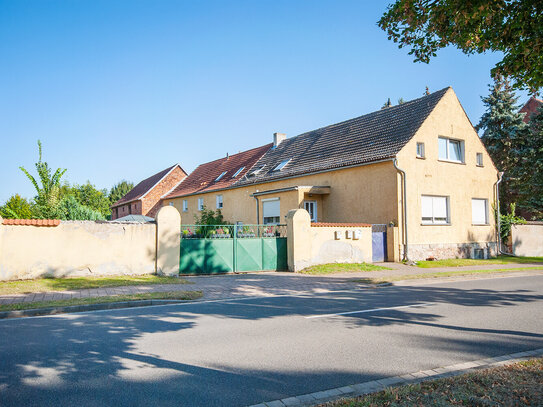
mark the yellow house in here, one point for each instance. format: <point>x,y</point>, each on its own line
<point>419,166</point>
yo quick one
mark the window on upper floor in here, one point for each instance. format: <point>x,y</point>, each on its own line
<point>219,201</point>
<point>479,159</point>
<point>185,205</point>
<point>257,170</point>
<point>479,211</point>
<point>420,150</point>
<point>435,210</point>
<point>451,150</point>
<point>200,204</point>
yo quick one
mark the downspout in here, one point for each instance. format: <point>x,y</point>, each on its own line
<point>404,209</point>
<point>257,211</point>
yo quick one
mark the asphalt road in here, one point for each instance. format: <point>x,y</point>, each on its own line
<point>241,352</point>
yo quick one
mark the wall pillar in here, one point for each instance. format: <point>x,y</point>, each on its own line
<point>393,244</point>
<point>168,241</point>
<point>298,239</point>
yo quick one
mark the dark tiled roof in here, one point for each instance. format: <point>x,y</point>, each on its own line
<point>202,179</point>
<point>530,108</point>
<point>372,137</point>
<point>143,187</point>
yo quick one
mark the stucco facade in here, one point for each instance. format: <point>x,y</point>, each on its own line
<point>373,193</point>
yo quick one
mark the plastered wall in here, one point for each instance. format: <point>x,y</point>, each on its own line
<point>308,245</point>
<point>76,248</point>
<point>527,239</point>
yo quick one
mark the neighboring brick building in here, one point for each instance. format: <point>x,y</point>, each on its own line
<point>530,108</point>
<point>144,198</point>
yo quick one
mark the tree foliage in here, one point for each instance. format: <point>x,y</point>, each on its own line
<point>528,172</point>
<point>71,209</point>
<point>91,197</point>
<point>47,187</point>
<point>502,132</point>
<point>119,190</point>
<point>210,217</point>
<point>512,27</point>
<point>16,207</point>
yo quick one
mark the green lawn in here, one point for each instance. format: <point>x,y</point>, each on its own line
<point>478,262</point>
<point>79,283</point>
<point>519,384</point>
<point>341,268</point>
<point>167,295</point>
<point>455,273</point>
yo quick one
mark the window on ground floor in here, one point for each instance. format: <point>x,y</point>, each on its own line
<point>435,210</point>
<point>479,211</point>
<point>185,205</point>
<point>200,204</point>
<point>219,201</point>
<point>271,211</point>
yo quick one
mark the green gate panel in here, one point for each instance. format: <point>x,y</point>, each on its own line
<point>219,256</point>
<point>249,254</point>
<point>192,256</point>
<point>274,253</point>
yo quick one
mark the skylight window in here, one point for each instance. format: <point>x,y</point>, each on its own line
<point>281,165</point>
<point>237,172</point>
<point>220,176</point>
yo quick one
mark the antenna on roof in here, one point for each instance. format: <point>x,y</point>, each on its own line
<point>227,155</point>
<point>427,91</point>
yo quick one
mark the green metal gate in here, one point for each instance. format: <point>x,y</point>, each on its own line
<point>231,248</point>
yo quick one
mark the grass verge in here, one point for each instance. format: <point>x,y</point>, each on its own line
<point>479,262</point>
<point>80,283</point>
<point>455,273</point>
<point>332,268</point>
<point>167,295</point>
<point>519,384</point>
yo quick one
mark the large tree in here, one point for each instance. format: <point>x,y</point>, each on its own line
<point>16,207</point>
<point>529,168</point>
<point>512,27</point>
<point>119,190</point>
<point>47,187</point>
<point>502,134</point>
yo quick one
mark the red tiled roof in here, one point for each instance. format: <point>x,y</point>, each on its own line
<point>202,179</point>
<point>530,108</point>
<point>31,222</point>
<point>340,225</point>
<point>143,187</point>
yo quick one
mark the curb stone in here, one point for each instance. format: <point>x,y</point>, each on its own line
<point>361,389</point>
<point>81,308</point>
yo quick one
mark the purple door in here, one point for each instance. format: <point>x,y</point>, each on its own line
<point>378,243</point>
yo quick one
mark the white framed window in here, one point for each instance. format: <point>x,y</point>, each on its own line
<point>479,211</point>
<point>451,150</point>
<point>311,207</point>
<point>271,211</point>
<point>220,176</point>
<point>237,172</point>
<point>435,210</point>
<point>185,205</point>
<point>219,201</point>
<point>420,150</point>
<point>171,203</point>
<point>479,159</point>
<point>200,204</point>
<point>257,170</point>
<point>281,165</point>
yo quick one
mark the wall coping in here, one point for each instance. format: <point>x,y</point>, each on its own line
<point>31,222</point>
<point>339,225</point>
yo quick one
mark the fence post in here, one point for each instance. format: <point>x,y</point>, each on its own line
<point>168,241</point>
<point>298,239</point>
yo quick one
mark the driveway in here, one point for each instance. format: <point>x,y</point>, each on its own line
<point>248,350</point>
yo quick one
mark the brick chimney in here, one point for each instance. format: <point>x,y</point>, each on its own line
<point>278,138</point>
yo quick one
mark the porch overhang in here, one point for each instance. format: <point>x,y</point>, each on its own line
<point>308,189</point>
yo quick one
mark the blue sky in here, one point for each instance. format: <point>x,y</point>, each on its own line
<point>123,89</point>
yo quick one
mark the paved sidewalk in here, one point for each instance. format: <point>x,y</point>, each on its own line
<point>254,284</point>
